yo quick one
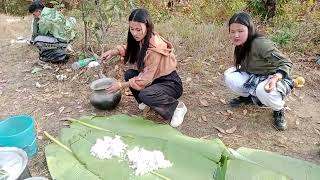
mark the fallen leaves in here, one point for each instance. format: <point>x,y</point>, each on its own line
<point>219,129</point>
<point>35,70</point>
<point>317,131</point>
<point>204,102</point>
<point>49,114</point>
<point>3,81</point>
<point>231,130</point>
<point>229,111</point>
<point>244,112</point>
<point>189,79</point>
<point>225,113</point>
<point>38,85</point>
<point>220,135</point>
<point>61,109</point>
<point>204,118</point>
<point>221,132</point>
<point>223,101</point>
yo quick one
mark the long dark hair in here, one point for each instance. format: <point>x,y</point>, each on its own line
<point>133,52</point>
<point>240,52</point>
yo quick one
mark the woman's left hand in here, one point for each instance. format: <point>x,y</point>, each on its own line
<point>272,83</point>
<point>114,87</point>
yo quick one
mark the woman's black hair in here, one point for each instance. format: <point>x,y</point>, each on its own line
<point>35,5</point>
<point>133,52</point>
<point>241,51</point>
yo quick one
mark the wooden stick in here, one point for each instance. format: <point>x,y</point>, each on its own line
<point>89,125</point>
<point>159,175</point>
<point>57,142</point>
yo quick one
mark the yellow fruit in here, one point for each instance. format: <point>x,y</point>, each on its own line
<point>299,82</point>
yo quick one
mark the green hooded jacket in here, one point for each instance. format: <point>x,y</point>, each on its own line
<point>53,23</point>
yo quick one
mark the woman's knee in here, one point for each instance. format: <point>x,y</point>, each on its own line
<point>228,80</point>
<point>233,81</point>
<point>146,96</point>
<point>130,73</point>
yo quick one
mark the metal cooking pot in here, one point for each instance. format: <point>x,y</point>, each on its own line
<point>100,98</point>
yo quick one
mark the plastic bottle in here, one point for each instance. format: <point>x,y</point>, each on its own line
<point>82,63</point>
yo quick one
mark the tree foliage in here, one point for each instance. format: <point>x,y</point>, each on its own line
<point>98,16</point>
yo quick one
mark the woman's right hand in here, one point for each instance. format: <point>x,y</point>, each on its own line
<point>108,55</point>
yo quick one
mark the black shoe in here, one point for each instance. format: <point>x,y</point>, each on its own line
<point>279,120</point>
<point>236,102</point>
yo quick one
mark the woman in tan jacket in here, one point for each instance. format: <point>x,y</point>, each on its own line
<point>155,82</point>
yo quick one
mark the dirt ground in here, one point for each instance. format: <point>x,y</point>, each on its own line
<point>41,95</point>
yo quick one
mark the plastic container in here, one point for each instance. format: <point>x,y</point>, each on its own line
<point>13,164</point>
<point>18,131</point>
<point>82,63</point>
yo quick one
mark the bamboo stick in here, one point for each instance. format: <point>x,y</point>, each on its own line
<point>57,142</point>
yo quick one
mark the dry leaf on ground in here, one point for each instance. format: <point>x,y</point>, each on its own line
<point>68,110</point>
<point>220,135</point>
<point>317,131</point>
<point>245,112</point>
<point>224,113</point>
<point>229,111</point>
<point>204,118</point>
<point>220,129</point>
<point>231,130</point>
<point>223,101</point>
<point>49,114</point>
<point>61,109</point>
<point>204,102</point>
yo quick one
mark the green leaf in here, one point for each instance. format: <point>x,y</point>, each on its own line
<point>258,164</point>
<point>192,158</point>
<point>57,157</point>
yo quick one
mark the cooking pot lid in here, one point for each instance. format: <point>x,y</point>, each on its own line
<point>101,84</point>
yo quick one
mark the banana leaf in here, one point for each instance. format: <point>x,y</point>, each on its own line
<point>63,165</point>
<point>192,158</point>
<point>258,164</point>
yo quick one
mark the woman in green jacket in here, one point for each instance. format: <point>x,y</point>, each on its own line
<point>261,72</point>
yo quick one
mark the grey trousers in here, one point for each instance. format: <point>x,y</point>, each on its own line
<point>161,95</point>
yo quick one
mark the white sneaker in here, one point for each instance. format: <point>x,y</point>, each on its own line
<point>178,115</point>
<point>142,106</point>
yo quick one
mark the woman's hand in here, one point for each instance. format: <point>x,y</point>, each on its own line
<point>114,87</point>
<point>109,54</point>
<point>272,83</point>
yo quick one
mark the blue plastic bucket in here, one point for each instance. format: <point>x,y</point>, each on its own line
<point>18,131</point>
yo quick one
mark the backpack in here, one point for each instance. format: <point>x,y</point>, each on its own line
<point>51,50</point>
